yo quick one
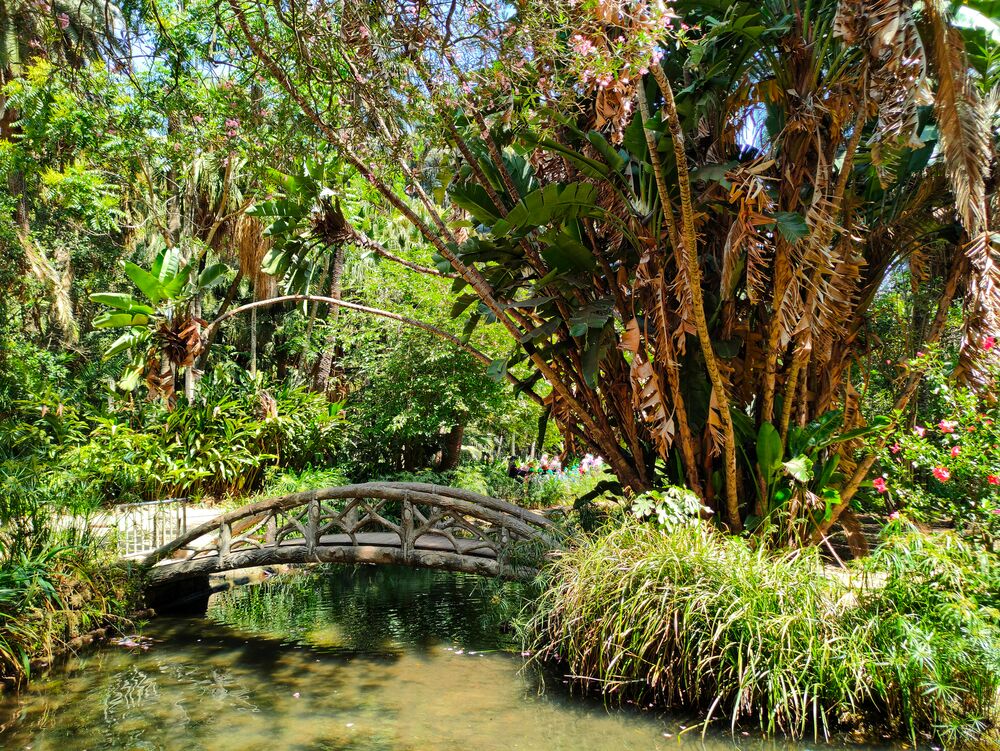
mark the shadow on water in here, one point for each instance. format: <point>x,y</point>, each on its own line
<point>378,659</point>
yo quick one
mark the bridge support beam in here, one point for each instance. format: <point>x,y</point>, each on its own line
<point>162,578</point>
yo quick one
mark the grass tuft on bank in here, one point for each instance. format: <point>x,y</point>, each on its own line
<point>910,644</point>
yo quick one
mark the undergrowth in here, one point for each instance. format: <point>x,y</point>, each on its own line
<point>694,619</point>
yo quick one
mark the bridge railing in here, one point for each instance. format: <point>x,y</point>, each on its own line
<point>140,528</point>
<point>417,522</point>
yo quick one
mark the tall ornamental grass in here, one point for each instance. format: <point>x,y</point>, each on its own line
<point>907,644</point>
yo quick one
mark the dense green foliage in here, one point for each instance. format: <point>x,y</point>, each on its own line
<point>691,618</point>
<point>54,586</point>
<point>749,248</point>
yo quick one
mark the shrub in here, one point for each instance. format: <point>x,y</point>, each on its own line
<point>284,482</point>
<point>54,586</point>
<point>929,607</point>
<point>695,619</point>
<point>946,465</point>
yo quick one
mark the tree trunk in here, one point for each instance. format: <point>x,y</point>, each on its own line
<point>253,342</point>
<point>543,426</point>
<point>323,370</point>
<point>452,450</point>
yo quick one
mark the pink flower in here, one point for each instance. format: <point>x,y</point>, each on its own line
<point>582,45</point>
<point>993,480</point>
<point>942,474</point>
<point>879,484</point>
<point>920,431</point>
<point>996,511</point>
<point>63,21</point>
<point>919,353</point>
<point>989,343</point>
<point>894,516</point>
<point>895,448</point>
<point>956,450</point>
<point>947,426</point>
<point>232,123</point>
<point>198,119</point>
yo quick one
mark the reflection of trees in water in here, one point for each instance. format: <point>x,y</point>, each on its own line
<point>374,609</point>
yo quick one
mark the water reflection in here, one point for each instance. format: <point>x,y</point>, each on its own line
<point>372,659</point>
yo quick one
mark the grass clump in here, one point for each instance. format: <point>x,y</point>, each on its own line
<point>696,620</point>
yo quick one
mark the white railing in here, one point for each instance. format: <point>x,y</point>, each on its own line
<point>146,526</point>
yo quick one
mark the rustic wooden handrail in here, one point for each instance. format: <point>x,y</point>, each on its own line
<point>422,524</point>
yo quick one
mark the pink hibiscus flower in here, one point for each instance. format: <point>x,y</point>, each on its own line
<point>942,474</point>
<point>879,484</point>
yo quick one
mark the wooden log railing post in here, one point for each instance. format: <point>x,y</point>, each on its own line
<point>225,539</point>
<point>312,527</point>
<point>271,535</point>
<point>406,534</point>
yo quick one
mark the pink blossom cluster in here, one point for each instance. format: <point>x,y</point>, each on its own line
<point>582,46</point>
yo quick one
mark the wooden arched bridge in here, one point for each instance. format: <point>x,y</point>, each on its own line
<point>401,523</point>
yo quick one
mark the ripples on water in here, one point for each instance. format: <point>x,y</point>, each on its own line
<point>372,659</point>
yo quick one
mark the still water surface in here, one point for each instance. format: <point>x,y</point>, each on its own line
<point>351,659</point>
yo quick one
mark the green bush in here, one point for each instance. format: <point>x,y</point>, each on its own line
<point>54,585</point>
<point>944,464</point>
<point>220,444</point>
<point>697,620</point>
<point>285,482</point>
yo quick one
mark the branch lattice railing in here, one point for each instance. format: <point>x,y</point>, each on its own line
<point>145,526</point>
<point>414,524</point>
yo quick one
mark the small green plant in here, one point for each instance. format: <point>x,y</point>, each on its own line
<point>672,507</point>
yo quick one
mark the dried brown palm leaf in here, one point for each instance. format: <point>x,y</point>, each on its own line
<point>982,307</point>
<point>249,245</point>
<point>962,120</point>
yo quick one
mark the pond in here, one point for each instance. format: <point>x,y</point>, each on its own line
<point>372,659</point>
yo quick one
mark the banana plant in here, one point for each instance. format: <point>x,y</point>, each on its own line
<point>161,335</point>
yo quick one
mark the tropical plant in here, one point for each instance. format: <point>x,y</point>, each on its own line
<point>671,508</point>
<point>163,337</point>
<point>676,238</point>
<point>695,619</point>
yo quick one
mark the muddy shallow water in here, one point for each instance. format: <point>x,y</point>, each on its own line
<point>373,659</point>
